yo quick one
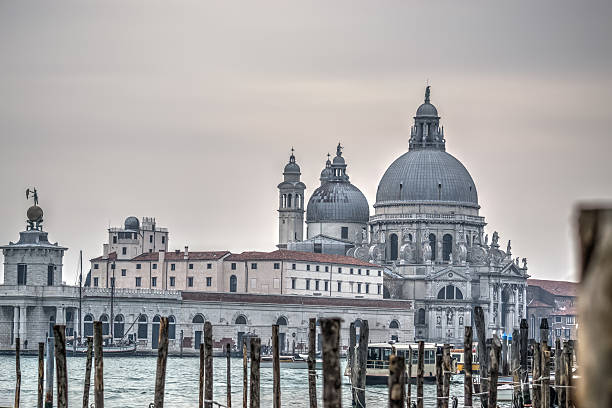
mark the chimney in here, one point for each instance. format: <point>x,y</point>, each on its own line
<point>186,256</point>
<point>162,256</point>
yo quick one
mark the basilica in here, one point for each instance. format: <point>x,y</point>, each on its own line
<point>426,231</point>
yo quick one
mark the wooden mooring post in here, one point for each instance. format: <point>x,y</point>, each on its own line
<point>208,365</point>
<point>255,362</point>
<point>545,370</point>
<point>537,391</point>
<point>483,357</point>
<point>41,374</point>
<point>439,380</point>
<point>397,375</point>
<point>523,349</point>
<point>515,367</point>
<point>245,375</point>
<point>409,381</point>
<point>276,397</point>
<point>49,373</point>
<point>446,371</point>
<point>87,381</point>
<point>59,332</point>
<point>494,357</point>
<point>352,361</point>
<point>228,374</point>
<point>565,372</point>
<point>312,362</point>
<point>99,366</point>
<point>420,373</point>
<point>467,367</point>
<point>201,380</point>
<point>162,359</point>
<point>362,359</point>
<point>332,382</point>
<point>17,371</point>
<point>558,356</point>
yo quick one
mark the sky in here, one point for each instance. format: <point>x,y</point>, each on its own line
<point>187,111</point>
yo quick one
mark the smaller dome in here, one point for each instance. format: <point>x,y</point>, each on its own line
<point>427,109</point>
<point>292,167</point>
<point>132,223</point>
<point>339,160</point>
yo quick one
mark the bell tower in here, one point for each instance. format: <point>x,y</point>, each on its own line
<point>290,204</point>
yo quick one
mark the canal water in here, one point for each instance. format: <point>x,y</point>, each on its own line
<point>130,382</point>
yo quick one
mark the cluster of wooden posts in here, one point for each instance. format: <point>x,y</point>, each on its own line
<point>399,385</point>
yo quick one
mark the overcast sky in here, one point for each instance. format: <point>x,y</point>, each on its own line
<point>186,111</point>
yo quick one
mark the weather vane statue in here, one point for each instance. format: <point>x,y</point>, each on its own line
<point>35,213</point>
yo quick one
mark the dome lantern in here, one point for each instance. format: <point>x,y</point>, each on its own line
<point>426,132</point>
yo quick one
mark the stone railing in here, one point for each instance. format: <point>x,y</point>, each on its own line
<point>167,294</point>
<point>428,217</point>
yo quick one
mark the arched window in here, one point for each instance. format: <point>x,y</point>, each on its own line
<point>171,328</point>
<point>289,200</point>
<point>241,320</point>
<point>233,283</point>
<point>118,326</point>
<point>155,332</point>
<point>421,316</point>
<point>394,324</point>
<point>143,330</point>
<point>393,241</point>
<point>449,292</point>
<point>284,200</point>
<point>447,247</point>
<point>282,321</point>
<point>432,244</point>
<point>105,325</point>
<point>198,319</point>
<point>88,325</point>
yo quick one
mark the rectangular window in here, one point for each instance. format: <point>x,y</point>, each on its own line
<point>190,266</point>
<point>359,271</point>
<point>344,232</point>
<point>368,272</point>
<point>567,333</point>
<point>172,280</point>
<point>209,266</point>
<point>95,282</point>
<point>292,283</point>
<point>150,238</point>
<point>276,265</point>
<point>351,271</point>
<point>209,281</point>
<point>253,265</point>
<point>318,248</point>
<point>138,282</point>
<point>327,269</point>
<point>326,286</point>
<point>367,288</point>
<point>233,266</point>
<point>112,282</point>
<point>96,266</point>
<point>339,270</point>
<point>138,266</point>
<point>558,332</point>
<point>569,320</point>
<point>307,267</point>
<point>253,283</point>
<point>317,284</point>
<point>114,239</point>
<point>339,286</point>
<point>307,284</point>
<point>50,269</point>
<point>292,266</point>
<point>124,251</point>
<point>558,319</point>
<point>317,268</point>
<point>154,281</point>
<point>163,239</point>
<point>379,273</point>
<point>190,281</point>
<point>379,289</point>
<point>172,267</point>
<point>22,274</point>
<point>154,266</point>
<point>123,272</point>
<point>359,288</point>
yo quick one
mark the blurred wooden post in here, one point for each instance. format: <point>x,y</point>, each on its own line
<point>181,345</point>
<point>162,359</point>
<point>446,374</point>
<point>537,390</point>
<point>545,362</point>
<point>570,393</point>
<point>59,332</point>
<point>245,375</point>
<point>41,374</point>
<point>201,382</point>
<point>494,370</point>
<point>483,357</point>
<point>515,367</point>
<point>228,374</point>
<point>312,362</point>
<point>49,373</point>
<point>558,366</point>
<point>543,330</point>
<point>420,373</point>
<point>208,365</point>
<point>99,366</point>
<point>362,359</point>
<point>565,373</point>
<point>17,372</point>
<point>467,367</point>
<point>504,355</point>
<point>409,385</point>
<point>255,360</point>
<point>439,381</point>
<point>523,349</point>
<point>275,368</point>
<point>397,374</point>
<point>332,382</point>
<point>352,354</point>
<point>87,382</point>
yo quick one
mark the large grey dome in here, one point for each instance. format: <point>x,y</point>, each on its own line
<point>427,175</point>
<point>337,202</point>
<point>132,223</point>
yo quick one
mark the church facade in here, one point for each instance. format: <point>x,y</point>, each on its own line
<point>427,232</point>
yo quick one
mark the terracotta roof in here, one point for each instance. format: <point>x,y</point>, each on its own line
<point>179,256</point>
<point>559,288</point>
<point>297,300</point>
<point>111,257</point>
<point>286,255</point>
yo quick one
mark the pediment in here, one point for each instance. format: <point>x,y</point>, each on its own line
<point>449,274</point>
<point>511,269</point>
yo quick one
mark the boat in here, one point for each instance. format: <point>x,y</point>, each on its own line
<point>109,350</point>
<point>286,361</point>
<point>458,357</point>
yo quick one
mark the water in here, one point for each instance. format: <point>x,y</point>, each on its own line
<point>130,382</point>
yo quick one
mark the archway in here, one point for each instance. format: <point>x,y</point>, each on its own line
<point>118,326</point>
<point>155,332</point>
<point>88,325</point>
<point>393,241</point>
<point>447,247</point>
<point>198,328</point>
<point>143,329</point>
<point>432,244</point>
